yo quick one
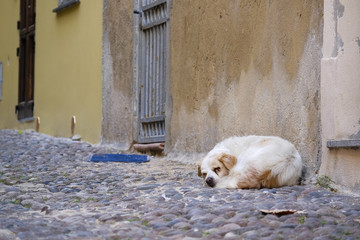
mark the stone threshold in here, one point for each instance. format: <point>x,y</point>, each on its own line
<point>344,143</point>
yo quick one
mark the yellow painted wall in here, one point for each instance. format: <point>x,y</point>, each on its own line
<point>68,78</point>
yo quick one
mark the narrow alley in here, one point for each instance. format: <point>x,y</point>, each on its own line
<point>50,190</point>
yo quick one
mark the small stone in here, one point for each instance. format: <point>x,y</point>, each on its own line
<point>148,179</point>
<point>115,217</point>
<point>173,233</point>
<point>7,235</point>
<point>323,231</point>
<point>147,186</point>
<point>53,189</point>
<point>288,226</point>
<point>230,227</point>
<point>32,204</point>
<point>159,226</point>
<point>81,234</point>
<point>12,189</point>
<point>253,234</point>
<point>231,235</point>
<point>195,233</point>
<point>182,225</point>
<point>76,137</point>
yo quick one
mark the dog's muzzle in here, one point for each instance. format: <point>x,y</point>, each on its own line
<point>210,181</point>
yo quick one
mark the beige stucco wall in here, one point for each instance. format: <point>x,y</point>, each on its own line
<point>118,109</point>
<point>340,90</point>
<point>67,68</point>
<point>245,67</point>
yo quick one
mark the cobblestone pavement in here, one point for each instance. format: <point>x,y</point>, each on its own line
<point>49,190</point>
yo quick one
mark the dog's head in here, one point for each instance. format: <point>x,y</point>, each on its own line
<point>214,166</point>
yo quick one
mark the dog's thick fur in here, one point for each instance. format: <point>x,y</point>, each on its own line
<point>251,162</point>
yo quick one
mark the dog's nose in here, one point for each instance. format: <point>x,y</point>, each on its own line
<point>210,182</point>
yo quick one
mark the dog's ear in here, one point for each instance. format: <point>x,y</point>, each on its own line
<point>228,160</point>
<point>199,167</point>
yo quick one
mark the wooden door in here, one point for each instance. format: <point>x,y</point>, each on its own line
<point>26,55</point>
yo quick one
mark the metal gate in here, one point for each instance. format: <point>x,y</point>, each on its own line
<point>153,41</point>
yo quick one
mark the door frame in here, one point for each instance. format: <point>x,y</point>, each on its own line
<point>26,54</point>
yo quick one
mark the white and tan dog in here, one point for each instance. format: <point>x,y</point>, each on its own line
<point>251,162</point>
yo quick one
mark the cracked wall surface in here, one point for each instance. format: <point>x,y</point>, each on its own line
<point>245,67</point>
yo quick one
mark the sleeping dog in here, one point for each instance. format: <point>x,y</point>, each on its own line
<point>251,162</point>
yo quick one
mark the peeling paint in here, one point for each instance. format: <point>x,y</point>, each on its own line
<point>357,40</point>
<point>338,9</point>
<point>355,135</point>
<point>338,13</point>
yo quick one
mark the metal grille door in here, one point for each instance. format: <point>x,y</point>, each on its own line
<point>153,40</point>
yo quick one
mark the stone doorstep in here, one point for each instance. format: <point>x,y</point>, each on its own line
<point>347,143</point>
<point>156,147</point>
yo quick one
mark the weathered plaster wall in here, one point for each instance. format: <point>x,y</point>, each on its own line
<point>245,67</point>
<point>340,87</point>
<point>117,125</point>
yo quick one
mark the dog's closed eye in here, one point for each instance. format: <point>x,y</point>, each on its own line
<point>217,170</point>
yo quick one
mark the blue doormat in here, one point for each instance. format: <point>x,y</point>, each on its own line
<point>133,158</point>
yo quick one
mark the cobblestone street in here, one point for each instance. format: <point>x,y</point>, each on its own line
<point>50,190</point>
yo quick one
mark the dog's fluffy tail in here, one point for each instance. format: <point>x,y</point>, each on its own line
<point>289,171</point>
